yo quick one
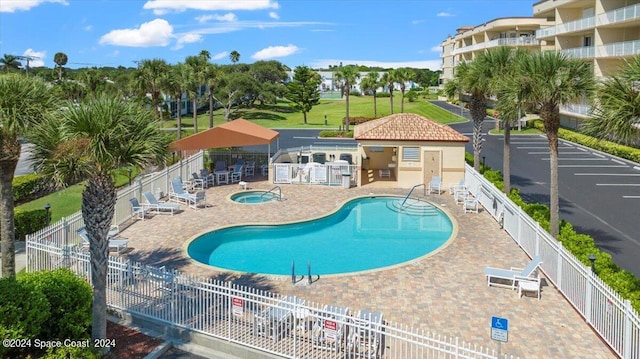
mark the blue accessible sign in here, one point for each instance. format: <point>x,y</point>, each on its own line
<point>499,329</point>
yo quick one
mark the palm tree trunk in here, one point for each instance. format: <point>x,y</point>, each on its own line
<point>346,118</point>
<point>179,117</point>
<point>478,108</point>
<point>98,201</point>
<point>7,226</point>
<point>402,101</point>
<point>375,107</point>
<point>195,116</point>
<point>506,158</point>
<point>210,108</point>
<point>391,99</point>
<point>550,113</point>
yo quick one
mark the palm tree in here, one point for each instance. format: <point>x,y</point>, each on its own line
<point>616,112</point>
<point>23,102</point>
<point>92,139</point>
<point>60,59</point>
<point>211,75</point>
<point>9,62</point>
<point>197,67</point>
<point>389,80</point>
<point>348,76</point>
<point>550,79</point>
<point>371,83</point>
<point>150,74</point>
<point>175,83</point>
<point>404,75</point>
<point>205,54</point>
<point>234,56</point>
<point>473,78</point>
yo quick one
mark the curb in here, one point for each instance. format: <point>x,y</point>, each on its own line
<point>159,350</point>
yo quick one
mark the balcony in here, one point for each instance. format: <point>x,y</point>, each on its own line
<point>515,41</point>
<point>623,14</point>
<point>576,109</point>
<point>618,49</point>
<point>587,52</point>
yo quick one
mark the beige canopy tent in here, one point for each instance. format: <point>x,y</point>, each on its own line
<point>236,133</point>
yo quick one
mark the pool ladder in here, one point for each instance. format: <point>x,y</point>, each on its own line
<point>411,191</point>
<point>273,189</point>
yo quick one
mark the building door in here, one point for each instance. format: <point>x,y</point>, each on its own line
<point>431,165</point>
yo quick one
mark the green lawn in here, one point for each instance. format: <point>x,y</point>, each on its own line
<point>281,115</point>
<point>515,132</point>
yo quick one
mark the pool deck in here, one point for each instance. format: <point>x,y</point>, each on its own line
<point>444,293</point>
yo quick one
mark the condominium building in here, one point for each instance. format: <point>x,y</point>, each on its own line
<point>603,32</point>
<point>470,41</point>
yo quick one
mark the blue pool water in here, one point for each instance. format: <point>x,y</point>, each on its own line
<point>366,233</point>
<point>254,197</point>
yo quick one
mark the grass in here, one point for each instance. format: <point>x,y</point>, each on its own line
<point>281,115</point>
<point>515,132</point>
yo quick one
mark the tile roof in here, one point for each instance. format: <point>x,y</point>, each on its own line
<point>406,127</point>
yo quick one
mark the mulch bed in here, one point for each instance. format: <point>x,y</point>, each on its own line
<point>130,343</point>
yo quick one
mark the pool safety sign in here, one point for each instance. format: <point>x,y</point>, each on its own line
<point>330,329</point>
<point>499,329</point>
<point>237,307</point>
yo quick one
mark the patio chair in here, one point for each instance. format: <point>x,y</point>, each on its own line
<point>197,183</point>
<point>365,334</point>
<point>328,331</point>
<point>220,166</point>
<point>528,284</point>
<point>509,277</point>
<point>250,169</point>
<point>435,184</point>
<point>116,243</point>
<point>236,174</point>
<point>208,177</point>
<point>199,198</point>
<point>470,204</point>
<point>178,192</point>
<point>460,186</point>
<point>159,206</point>
<point>276,321</point>
<point>138,211</point>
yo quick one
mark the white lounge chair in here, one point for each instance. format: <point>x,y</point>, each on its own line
<point>470,204</point>
<point>328,331</point>
<point>114,243</point>
<point>159,206</point>
<point>178,192</point>
<point>460,186</point>
<point>278,320</point>
<point>138,210</point>
<point>435,184</point>
<point>509,278</point>
<point>365,334</point>
<point>528,284</point>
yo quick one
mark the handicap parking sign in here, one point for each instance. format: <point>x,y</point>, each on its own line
<point>499,329</point>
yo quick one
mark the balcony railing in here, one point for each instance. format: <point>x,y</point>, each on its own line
<point>515,41</point>
<point>586,52</point>
<point>576,109</point>
<point>618,49</point>
<point>627,13</point>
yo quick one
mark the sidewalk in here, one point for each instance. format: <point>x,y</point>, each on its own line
<point>21,257</point>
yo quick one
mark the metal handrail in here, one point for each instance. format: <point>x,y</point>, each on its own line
<point>271,191</point>
<point>411,191</point>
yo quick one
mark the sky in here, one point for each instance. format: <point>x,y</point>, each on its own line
<point>315,33</point>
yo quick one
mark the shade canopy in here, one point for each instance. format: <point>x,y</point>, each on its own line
<point>236,133</point>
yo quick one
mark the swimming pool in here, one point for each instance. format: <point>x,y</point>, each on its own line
<point>254,197</point>
<point>365,233</point>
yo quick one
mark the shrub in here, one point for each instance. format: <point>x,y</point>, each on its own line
<point>329,133</point>
<point>412,96</point>
<point>23,311</point>
<point>70,300</point>
<point>355,93</point>
<point>29,221</point>
<point>382,94</point>
<point>68,352</point>
<point>358,120</point>
<point>28,187</point>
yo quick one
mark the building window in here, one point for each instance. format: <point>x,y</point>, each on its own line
<point>410,153</point>
<point>587,41</point>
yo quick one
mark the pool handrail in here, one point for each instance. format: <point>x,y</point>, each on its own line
<point>411,191</point>
<point>271,191</point>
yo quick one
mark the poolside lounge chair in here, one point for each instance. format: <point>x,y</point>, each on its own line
<point>470,205</point>
<point>365,334</point>
<point>118,244</point>
<point>159,206</point>
<point>509,277</point>
<point>138,211</point>
<point>328,331</point>
<point>460,186</point>
<point>178,192</point>
<point>435,184</point>
<point>276,321</point>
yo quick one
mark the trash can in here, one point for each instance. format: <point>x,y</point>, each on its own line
<point>346,179</point>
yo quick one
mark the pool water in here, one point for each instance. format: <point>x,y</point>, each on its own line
<point>366,233</point>
<point>254,197</point>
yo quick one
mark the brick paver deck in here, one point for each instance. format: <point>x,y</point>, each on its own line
<point>443,293</point>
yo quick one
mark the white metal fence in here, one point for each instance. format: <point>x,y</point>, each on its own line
<point>611,316</point>
<point>329,174</point>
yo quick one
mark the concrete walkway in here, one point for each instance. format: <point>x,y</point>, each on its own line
<point>21,257</point>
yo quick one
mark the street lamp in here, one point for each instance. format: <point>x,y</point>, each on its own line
<point>592,258</point>
<point>47,207</point>
<point>129,170</point>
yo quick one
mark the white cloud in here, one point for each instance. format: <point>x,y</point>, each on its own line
<point>416,22</point>
<point>87,28</point>
<point>444,14</point>
<point>38,57</point>
<point>157,32</point>
<point>274,15</point>
<point>25,5</point>
<point>204,18</point>
<point>423,64</point>
<point>220,55</point>
<point>226,17</point>
<point>436,48</point>
<point>275,51</point>
<point>187,38</point>
<point>162,6</point>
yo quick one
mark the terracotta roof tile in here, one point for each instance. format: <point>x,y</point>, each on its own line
<point>406,127</point>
